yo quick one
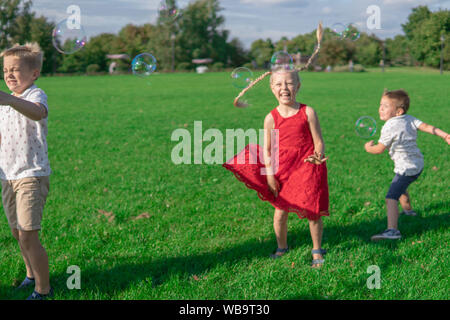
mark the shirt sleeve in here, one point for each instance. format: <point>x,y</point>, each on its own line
<point>38,96</point>
<point>416,122</point>
<point>387,134</point>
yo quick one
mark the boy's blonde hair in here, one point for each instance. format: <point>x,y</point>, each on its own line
<point>30,53</point>
<point>399,97</point>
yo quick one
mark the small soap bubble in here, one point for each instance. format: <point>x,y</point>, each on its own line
<point>351,32</point>
<point>68,39</point>
<point>338,30</point>
<point>281,61</point>
<point>366,127</point>
<point>167,11</point>
<point>241,77</point>
<point>143,64</point>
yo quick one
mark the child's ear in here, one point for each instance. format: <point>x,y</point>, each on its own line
<point>36,74</point>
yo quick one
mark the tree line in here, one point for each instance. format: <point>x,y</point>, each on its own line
<point>199,33</point>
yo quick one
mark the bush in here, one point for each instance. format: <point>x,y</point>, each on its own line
<point>248,66</point>
<point>356,68</point>
<point>183,66</point>
<point>218,66</point>
<point>92,68</point>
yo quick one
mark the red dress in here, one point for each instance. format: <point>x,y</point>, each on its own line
<point>303,185</point>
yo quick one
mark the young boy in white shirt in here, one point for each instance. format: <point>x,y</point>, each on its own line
<point>24,165</point>
<point>399,134</point>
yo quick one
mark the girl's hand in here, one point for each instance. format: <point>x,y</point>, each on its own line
<point>447,139</point>
<point>316,158</point>
<point>273,185</point>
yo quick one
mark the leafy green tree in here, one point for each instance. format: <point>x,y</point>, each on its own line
<point>368,50</point>
<point>261,52</point>
<point>415,19</point>
<point>10,11</point>
<point>238,56</point>
<point>201,34</point>
<point>423,31</point>
<point>398,52</point>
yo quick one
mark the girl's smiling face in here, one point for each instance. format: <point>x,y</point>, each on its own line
<point>285,86</point>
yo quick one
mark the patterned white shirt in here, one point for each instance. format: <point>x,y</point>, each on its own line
<point>399,134</point>
<point>23,148</point>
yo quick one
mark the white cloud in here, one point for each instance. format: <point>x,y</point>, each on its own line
<point>327,10</point>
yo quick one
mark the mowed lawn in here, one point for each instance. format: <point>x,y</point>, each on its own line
<point>204,234</point>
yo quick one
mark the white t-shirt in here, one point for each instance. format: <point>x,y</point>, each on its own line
<point>23,149</point>
<point>399,134</point>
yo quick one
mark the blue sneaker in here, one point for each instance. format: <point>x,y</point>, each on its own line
<point>391,234</point>
<point>27,282</point>
<point>38,296</point>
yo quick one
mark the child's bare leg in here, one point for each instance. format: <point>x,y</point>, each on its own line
<point>37,257</point>
<point>15,234</point>
<point>405,201</point>
<point>392,213</point>
<point>316,229</point>
<point>280,219</point>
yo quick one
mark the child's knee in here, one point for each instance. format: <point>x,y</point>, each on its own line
<point>280,216</point>
<point>28,239</point>
<point>15,233</point>
<point>404,196</point>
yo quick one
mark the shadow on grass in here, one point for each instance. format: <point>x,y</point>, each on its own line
<point>156,271</point>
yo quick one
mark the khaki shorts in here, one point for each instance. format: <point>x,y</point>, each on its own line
<point>23,202</point>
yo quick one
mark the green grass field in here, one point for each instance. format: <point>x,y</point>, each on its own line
<point>207,236</point>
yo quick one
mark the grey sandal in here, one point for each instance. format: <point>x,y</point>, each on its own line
<point>318,261</point>
<point>276,256</point>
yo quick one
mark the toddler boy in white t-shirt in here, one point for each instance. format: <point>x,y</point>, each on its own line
<point>399,134</point>
<point>24,165</point>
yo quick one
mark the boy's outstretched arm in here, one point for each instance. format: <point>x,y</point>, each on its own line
<point>435,131</point>
<point>34,111</point>
<point>374,149</point>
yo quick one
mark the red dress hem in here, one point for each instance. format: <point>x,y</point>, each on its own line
<point>301,213</point>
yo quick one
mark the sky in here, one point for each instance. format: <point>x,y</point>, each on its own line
<point>248,20</point>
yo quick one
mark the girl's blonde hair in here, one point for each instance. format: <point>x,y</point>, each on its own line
<point>30,53</point>
<point>319,34</point>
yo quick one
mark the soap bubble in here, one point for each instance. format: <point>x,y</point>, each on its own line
<point>281,61</point>
<point>365,127</point>
<point>168,11</point>
<point>241,77</point>
<point>351,32</point>
<point>143,64</point>
<point>67,38</point>
<point>338,29</point>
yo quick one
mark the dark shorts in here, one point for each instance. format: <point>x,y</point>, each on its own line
<point>399,185</point>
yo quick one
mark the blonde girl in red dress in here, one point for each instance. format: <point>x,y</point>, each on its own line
<point>297,180</point>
